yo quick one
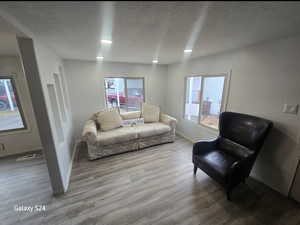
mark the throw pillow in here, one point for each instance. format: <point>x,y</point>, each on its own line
<point>150,113</point>
<point>133,122</point>
<point>109,119</point>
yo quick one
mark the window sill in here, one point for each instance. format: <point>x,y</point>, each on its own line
<point>15,132</point>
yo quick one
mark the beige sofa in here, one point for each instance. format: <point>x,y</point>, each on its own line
<point>127,138</point>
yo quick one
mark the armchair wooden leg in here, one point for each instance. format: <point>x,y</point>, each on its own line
<point>228,192</point>
<point>195,169</point>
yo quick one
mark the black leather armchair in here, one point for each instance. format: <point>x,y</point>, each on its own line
<point>230,158</point>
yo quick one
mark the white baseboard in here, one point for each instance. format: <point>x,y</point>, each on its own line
<point>5,153</point>
<point>185,137</point>
<point>66,186</point>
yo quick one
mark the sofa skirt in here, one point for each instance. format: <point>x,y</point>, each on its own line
<point>155,140</point>
<point>96,152</point>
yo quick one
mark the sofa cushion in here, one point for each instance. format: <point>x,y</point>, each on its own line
<point>130,115</point>
<point>151,129</point>
<point>119,135</point>
<point>109,120</point>
<point>150,113</point>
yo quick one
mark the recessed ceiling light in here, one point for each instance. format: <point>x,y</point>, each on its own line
<point>155,61</point>
<point>106,41</point>
<point>99,57</point>
<point>188,50</point>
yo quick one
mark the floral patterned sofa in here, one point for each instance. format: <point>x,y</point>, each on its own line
<point>128,137</point>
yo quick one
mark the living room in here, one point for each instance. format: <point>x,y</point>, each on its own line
<point>174,67</point>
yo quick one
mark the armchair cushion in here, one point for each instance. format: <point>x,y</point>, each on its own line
<point>216,163</point>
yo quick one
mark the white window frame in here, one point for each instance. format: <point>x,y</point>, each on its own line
<point>224,95</point>
<point>125,87</point>
<point>15,87</point>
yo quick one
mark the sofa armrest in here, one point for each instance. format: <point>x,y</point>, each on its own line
<point>166,119</point>
<point>90,131</point>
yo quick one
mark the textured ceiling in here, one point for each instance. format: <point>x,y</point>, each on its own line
<point>142,31</point>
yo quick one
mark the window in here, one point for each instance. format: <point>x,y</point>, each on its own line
<point>125,93</point>
<point>11,114</point>
<point>204,99</point>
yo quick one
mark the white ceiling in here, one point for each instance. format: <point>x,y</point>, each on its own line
<point>142,31</point>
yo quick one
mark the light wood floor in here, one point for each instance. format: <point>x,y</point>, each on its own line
<point>152,186</point>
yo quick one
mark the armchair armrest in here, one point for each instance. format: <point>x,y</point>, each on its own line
<point>204,146</point>
<point>241,169</point>
<point>166,119</point>
<point>90,131</point>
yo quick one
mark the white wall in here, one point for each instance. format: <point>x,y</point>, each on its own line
<point>264,77</point>
<point>48,64</point>
<point>39,63</point>
<point>86,84</point>
<point>24,140</point>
